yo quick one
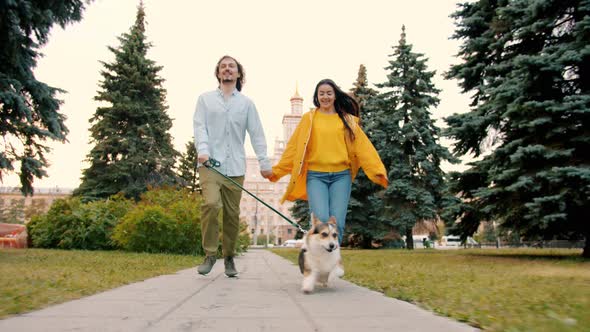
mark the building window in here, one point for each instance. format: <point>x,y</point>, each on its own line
<point>289,231</point>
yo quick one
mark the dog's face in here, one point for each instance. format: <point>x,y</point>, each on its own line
<point>324,235</point>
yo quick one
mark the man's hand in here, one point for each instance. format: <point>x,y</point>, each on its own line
<point>266,174</point>
<point>203,158</point>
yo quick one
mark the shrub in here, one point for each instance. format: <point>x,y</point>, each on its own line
<point>69,224</point>
<point>54,229</point>
<point>165,220</point>
<point>146,228</point>
<point>101,218</point>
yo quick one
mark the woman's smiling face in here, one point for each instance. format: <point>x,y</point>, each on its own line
<point>326,97</point>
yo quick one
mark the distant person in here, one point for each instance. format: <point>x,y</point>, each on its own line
<point>325,153</point>
<point>221,120</point>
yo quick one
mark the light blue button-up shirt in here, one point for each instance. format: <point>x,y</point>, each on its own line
<point>220,131</point>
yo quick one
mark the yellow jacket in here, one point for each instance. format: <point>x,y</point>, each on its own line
<point>361,152</point>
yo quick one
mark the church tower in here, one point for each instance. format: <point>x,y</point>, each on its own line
<point>290,122</point>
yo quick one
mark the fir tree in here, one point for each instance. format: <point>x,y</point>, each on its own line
<point>362,92</point>
<point>407,141</point>
<point>529,66</point>
<point>29,109</point>
<point>188,168</point>
<point>132,147</point>
<point>363,218</point>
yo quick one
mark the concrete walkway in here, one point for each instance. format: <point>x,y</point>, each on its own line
<point>265,297</point>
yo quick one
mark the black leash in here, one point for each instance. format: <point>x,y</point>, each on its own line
<point>212,163</point>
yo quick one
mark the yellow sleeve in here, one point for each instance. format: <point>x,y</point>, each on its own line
<point>369,159</point>
<point>285,165</point>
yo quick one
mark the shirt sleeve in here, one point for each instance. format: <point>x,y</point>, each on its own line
<point>200,128</point>
<point>257,138</point>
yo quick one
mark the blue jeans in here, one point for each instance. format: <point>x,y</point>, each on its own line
<point>328,195</point>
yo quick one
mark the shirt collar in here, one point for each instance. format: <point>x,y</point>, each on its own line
<point>220,92</point>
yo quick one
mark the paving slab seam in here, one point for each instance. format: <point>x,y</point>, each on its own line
<point>150,324</point>
<point>312,322</point>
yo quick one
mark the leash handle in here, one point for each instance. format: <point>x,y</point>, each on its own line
<point>212,163</point>
<point>209,163</point>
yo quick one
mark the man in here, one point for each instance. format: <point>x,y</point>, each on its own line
<point>221,120</point>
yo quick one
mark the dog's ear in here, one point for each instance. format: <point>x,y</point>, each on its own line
<point>332,220</point>
<point>315,220</point>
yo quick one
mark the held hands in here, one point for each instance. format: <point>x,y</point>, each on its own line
<point>266,173</point>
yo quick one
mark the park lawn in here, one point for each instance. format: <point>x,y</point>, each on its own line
<point>35,278</point>
<point>496,290</point>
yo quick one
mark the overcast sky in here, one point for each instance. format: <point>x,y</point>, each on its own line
<point>280,43</point>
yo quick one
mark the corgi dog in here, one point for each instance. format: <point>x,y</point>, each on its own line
<point>320,254</point>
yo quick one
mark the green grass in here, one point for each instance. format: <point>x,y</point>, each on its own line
<point>496,290</point>
<point>35,278</point>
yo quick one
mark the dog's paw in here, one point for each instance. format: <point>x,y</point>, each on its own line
<point>338,271</point>
<point>322,284</point>
<point>307,285</point>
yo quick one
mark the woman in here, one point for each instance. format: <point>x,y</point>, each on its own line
<point>324,154</point>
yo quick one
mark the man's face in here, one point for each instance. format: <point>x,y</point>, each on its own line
<point>228,71</point>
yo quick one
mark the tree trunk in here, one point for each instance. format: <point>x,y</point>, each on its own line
<point>366,242</point>
<point>409,239</point>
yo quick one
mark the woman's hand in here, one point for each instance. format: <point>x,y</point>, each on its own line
<point>266,173</point>
<point>382,180</point>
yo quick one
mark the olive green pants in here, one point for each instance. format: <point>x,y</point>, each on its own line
<point>219,192</point>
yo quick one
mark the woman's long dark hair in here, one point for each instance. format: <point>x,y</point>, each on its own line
<point>241,80</point>
<point>343,103</point>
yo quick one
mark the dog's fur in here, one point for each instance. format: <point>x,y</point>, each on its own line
<point>320,254</point>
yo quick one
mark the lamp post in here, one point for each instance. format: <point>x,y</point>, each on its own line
<point>267,232</point>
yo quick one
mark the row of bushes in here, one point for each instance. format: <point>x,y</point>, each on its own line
<point>163,220</point>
